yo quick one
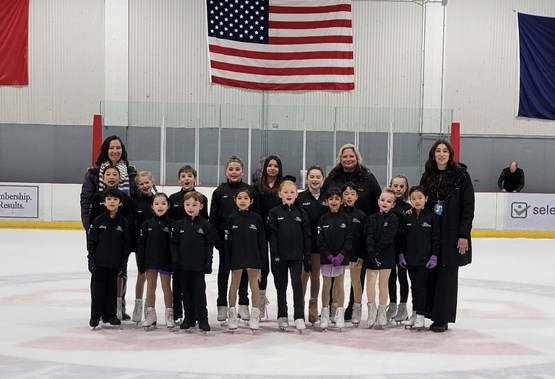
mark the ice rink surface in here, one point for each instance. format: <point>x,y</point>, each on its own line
<point>505,325</point>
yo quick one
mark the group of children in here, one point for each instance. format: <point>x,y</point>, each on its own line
<point>309,235</point>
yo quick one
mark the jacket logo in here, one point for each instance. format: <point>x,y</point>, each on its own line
<point>102,227</point>
<point>119,228</point>
<point>234,227</point>
<point>149,229</point>
<point>166,229</point>
<point>426,225</point>
<point>200,231</point>
<point>181,231</point>
<point>356,220</point>
<point>298,219</point>
<point>342,225</point>
<point>325,226</point>
<point>280,218</point>
<point>224,197</point>
<point>306,204</point>
<point>253,227</point>
<point>385,224</point>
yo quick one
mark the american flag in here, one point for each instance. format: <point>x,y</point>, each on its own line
<point>281,44</point>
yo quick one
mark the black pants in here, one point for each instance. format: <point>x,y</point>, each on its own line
<point>265,272</point>
<point>193,284</point>
<point>441,301</point>
<point>401,274</point>
<point>281,271</point>
<point>223,281</point>
<point>418,281</point>
<point>177,293</point>
<point>104,292</point>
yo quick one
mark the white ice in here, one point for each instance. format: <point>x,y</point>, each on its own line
<point>505,325</point>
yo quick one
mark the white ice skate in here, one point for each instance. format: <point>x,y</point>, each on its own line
<point>402,313</point>
<point>391,311</point>
<point>170,322</point>
<point>222,314</point>
<point>410,322</point>
<point>138,311</point>
<point>300,325</point>
<point>244,313</point>
<point>333,312</point>
<point>119,305</point>
<point>283,323</point>
<point>325,319</point>
<point>419,323</point>
<point>372,315</point>
<point>254,322</point>
<point>340,318</point>
<point>357,314</point>
<point>381,320</point>
<point>232,320</point>
<point>150,319</point>
<point>264,302</point>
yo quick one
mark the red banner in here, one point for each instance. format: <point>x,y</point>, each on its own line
<point>14,27</point>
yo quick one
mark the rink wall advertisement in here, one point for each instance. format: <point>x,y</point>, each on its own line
<point>19,201</point>
<point>529,212</point>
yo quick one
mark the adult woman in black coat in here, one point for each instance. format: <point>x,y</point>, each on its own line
<point>349,168</point>
<point>450,196</point>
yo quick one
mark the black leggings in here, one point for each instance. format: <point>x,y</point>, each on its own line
<point>401,274</point>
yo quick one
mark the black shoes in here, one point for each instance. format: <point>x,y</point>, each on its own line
<point>93,322</point>
<point>125,316</point>
<point>439,327</point>
<point>204,326</point>
<point>186,324</point>
<point>348,314</point>
<point>111,320</point>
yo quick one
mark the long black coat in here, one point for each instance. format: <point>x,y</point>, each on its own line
<point>454,187</point>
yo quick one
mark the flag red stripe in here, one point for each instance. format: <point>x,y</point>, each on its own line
<point>309,40</point>
<point>305,10</point>
<point>283,86</point>
<point>283,71</point>
<point>310,24</point>
<point>285,56</point>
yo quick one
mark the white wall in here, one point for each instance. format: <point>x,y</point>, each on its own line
<point>60,202</point>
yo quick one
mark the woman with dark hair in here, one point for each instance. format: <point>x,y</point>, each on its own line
<point>112,152</point>
<point>451,197</point>
<point>268,188</point>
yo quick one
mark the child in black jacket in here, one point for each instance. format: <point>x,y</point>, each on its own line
<point>108,248</point>
<point>142,211</point>
<point>419,244</point>
<point>289,229</point>
<point>154,258</point>
<point>192,244</point>
<point>111,178</point>
<point>335,242</point>
<point>222,206</point>
<point>381,232</point>
<point>358,221</point>
<point>187,177</point>
<point>313,201</point>
<point>246,249</point>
